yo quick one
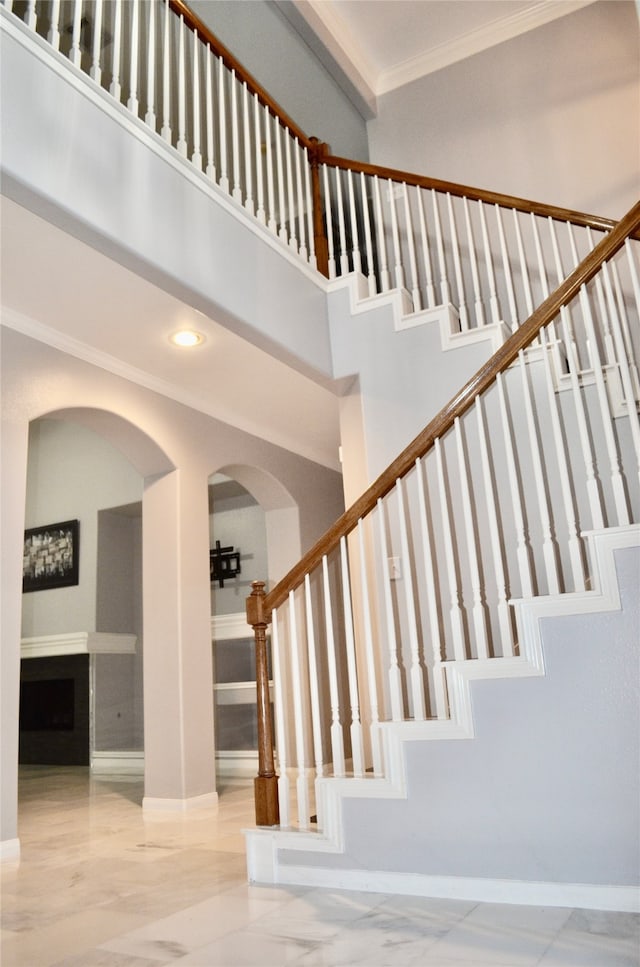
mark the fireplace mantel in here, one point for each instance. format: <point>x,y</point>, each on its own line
<point>78,643</point>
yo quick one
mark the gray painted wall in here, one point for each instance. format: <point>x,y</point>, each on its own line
<point>274,53</point>
<point>552,115</point>
<point>548,790</point>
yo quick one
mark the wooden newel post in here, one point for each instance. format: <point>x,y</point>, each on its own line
<point>319,233</point>
<point>266,782</point>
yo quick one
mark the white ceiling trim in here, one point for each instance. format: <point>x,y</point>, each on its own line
<point>347,51</point>
<point>475,41</point>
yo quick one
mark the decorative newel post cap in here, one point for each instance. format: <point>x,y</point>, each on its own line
<point>255,605</point>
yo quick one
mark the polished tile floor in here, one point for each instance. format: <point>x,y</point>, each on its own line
<point>101,885</point>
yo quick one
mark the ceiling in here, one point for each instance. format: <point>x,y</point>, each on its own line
<point>379,45</point>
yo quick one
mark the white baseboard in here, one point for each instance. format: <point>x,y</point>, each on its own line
<point>117,763</point>
<point>589,896</point>
<point>10,851</point>
<point>156,805</point>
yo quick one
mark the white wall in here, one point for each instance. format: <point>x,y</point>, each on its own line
<point>552,115</point>
<point>237,520</point>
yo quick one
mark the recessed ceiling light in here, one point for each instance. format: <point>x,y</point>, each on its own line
<point>187,338</point>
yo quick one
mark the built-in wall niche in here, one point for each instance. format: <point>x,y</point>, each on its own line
<point>236,520</point>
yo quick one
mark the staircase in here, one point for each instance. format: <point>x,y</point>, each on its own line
<point>477,555</point>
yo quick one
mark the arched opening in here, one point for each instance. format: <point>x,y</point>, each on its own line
<point>254,534</point>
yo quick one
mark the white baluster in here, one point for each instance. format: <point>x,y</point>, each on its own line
<point>524,271</point>
<point>523,548</point>
<point>479,605</point>
<point>165,131</point>
<point>355,240</point>
<point>455,609</point>
<point>394,675</point>
<point>132,102</point>
<point>235,139</point>
<point>54,27</point>
<point>314,689</point>
<point>31,18</point>
<point>210,125</point>
<point>150,115</point>
<point>328,209</point>
<point>455,248</point>
<point>368,242</point>
<point>508,277</point>
<point>623,363</point>
<point>633,269</point>
<point>618,487</point>
<point>626,335</point>
<point>355,731</point>
<point>416,677</point>
<point>435,631</point>
<point>281,723</point>
<point>344,256</point>
<point>299,727</point>
<point>307,188</point>
<point>222,121</point>
<point>95,71</point>
<point>196,157</point>
<point>370,660</point>
<point>293,240</point>
<point>549,546</point>
<point>603,312</point>
<point>496,537</point>
<point>281,195</point>
<point>380,235</point>
<point>445,290</point>
<point>272,223</point>
<point>426,255</point>
<point>594,495</point>
<point>413,268</point>
<point>182,94</point>
<point>395,238</point>
<point>473,259</point>
<point>115,87</point>
<point>337,739</point>
<point>74,53</point>
<point>304,253</point>
<point>248,173</point>
<point>257,135</point>
<point>488,257</point>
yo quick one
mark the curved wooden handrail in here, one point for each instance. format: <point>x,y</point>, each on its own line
<point>180,8</point>
<point>473,194</point>
<point>458,405</point>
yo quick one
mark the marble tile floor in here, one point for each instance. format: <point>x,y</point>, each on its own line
<point>101,885</point>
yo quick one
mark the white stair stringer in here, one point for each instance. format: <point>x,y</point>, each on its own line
<point>405,317</point>
<point>264,844</point>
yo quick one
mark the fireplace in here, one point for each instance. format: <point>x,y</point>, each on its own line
<point>54,710</point>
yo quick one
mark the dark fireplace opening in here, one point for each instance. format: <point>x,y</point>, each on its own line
<point>54,710</point>
<point>47,705</point>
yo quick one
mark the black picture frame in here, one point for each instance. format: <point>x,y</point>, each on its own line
<point>51,556</point>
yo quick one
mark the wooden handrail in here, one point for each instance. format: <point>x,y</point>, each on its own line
<point>458,405</point>
<point>180,8</point>
<point>473,194</point>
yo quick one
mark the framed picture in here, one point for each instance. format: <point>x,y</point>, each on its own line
<point>51,556</point>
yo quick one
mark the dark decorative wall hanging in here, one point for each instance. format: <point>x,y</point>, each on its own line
<point>51,556</point>
<point>224,563</point>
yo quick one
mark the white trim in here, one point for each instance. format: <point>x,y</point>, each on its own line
<point>589,896</point>
<point>10,851</point>
<point>237,765</point>
<point>153,804</point>
<point>115,763</point>
<point>226,627</point>
<point>78,643</point>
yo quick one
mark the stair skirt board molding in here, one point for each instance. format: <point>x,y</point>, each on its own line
<point>405,317</point>
<point>264,868</point>
<point>263,844</point>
